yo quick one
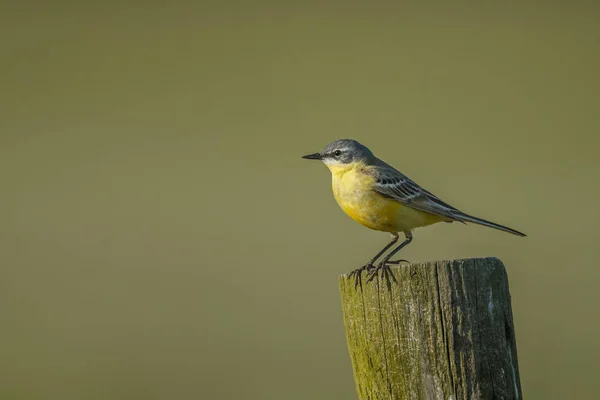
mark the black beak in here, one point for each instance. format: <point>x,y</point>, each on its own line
<point>315,156</point>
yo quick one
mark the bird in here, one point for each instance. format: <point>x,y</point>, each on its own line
<point>378,196</point>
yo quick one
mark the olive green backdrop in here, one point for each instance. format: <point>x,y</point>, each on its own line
<point>160,237</point>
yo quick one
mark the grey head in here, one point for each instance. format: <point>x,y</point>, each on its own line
<point>343,151</point>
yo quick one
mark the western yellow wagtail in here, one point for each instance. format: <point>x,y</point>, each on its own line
<point>380,197</point>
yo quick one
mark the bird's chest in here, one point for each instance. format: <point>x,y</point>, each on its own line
<point>353,192</point>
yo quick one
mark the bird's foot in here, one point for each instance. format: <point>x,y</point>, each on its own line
<point>384,271</point>
<point>357,274</point>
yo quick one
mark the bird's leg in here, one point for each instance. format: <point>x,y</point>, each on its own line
<point>370,266</point>
<point>384,267</point>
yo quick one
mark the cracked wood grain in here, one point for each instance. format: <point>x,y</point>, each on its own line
<point>445,331</point>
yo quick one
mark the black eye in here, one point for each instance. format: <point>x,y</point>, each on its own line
<point>337,153</point>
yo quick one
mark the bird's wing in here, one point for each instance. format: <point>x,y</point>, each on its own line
<point>393,184</point>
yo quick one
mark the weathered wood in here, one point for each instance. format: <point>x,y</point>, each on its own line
<point>445,331</point>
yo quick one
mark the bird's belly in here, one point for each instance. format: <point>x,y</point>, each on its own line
<point>380,213</point>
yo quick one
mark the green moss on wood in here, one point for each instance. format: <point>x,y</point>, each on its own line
<point>444,331</point>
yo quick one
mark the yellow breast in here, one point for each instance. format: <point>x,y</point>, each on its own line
<point>353,191</point>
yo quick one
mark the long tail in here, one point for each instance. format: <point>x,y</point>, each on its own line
<point>469,218</point>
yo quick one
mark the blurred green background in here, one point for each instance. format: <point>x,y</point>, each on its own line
<point>162,239</point>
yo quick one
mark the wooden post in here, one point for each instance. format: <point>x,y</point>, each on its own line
<point>445,331</point>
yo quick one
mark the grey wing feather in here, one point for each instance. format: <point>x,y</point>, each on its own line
<point>393,184</point>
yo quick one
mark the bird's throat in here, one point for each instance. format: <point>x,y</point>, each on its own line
<point>339,170</point>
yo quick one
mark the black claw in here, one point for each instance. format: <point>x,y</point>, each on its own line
<point>385,271</point>
<point>393,277</point>
<point>373,273</point>
<point>357,274</point>
<point>382,269</point>
<point>357,277</point>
